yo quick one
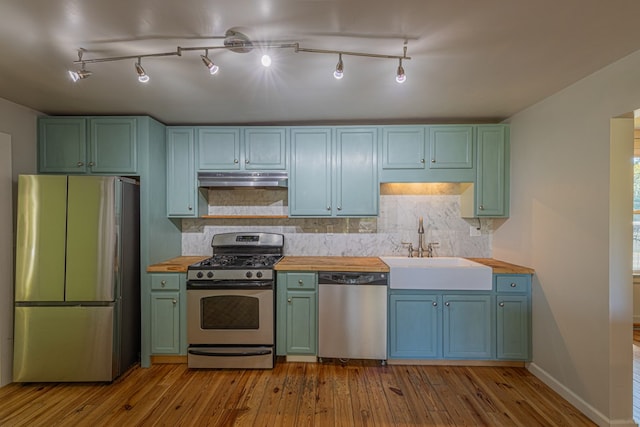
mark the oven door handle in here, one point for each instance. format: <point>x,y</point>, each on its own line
<point>236,354</point>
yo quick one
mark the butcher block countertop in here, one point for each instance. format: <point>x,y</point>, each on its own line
<point>329,263</point>
<point>175,265</point>
<point>374,264</point>
<point>332,263</point>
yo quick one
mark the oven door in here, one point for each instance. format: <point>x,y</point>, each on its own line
<point>230,316</point>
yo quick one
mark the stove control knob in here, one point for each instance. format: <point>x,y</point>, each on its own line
<point>199,275</point>
<point>259,274</point>
<point>210,274</point>
<point>249,274</point>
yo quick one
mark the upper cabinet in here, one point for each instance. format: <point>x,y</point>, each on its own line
<point>183,198</point>
<point>434,153</point>
<point>334,172</point>
<point>104,145</point>
<point>231,148</point>
<point>489,197</point>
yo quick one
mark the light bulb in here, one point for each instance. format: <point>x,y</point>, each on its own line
<point>142,76</point>
<point>213,68</point>
<point>401,77</point>
<point>266,60</point>
<point>339,72</point>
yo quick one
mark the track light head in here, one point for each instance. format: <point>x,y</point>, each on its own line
<point>401,77</point>
<point>142,76</point>
<point>79,74</point>
<point>339,72</point>
<point>213,68</point>
<point>265,60</point>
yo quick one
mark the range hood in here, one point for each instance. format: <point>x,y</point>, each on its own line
<point>243,179</point>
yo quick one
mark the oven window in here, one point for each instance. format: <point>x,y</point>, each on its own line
<point>230,312</point>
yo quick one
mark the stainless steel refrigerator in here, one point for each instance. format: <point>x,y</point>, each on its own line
<point>77,289</point>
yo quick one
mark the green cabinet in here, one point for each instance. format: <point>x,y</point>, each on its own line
<point>489,197</point>
<point>167,314</point>
<point>468,327</point>
<point>183,198</point>
<point>105,145</point>
<point>448,150</point>
<point>464,325</point>
<point>231,148</point>
<point>334,172</point>
<point>296,313</point>
<point>415,326</point>
<point>513,316</point>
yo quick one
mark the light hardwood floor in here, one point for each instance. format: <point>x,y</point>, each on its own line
<point>360,393</point>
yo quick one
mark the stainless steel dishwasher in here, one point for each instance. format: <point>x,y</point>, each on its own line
<point>352,319</point>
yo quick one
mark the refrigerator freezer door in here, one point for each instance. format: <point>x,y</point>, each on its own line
<point>91,238</point>
<point>61,344</point>
<point>41,231</point>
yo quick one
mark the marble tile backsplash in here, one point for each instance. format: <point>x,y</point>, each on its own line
<point>385,235</point>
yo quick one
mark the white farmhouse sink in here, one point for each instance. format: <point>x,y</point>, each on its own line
<point>439,273</point>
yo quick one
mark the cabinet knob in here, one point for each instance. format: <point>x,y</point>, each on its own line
<point>163,283</point>
<point>447,303</point>
<point>339,208</point>
<point>190,207</point>
<point>421,160</point>
<point>501,304</point>
<point>235,160</point>
<point>300,282</point>
<point>79,164</point>
<point>435,304</point>
<point>174,301</point>
<point>513,285</point>
<point>247,161</point>
<point>433,160</point>
<point>481,207</point>
<point>91,164</point>
<point>329,207</point>
<point>289,300</point>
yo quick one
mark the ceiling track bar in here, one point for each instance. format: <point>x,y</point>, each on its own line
<point>123,58</point>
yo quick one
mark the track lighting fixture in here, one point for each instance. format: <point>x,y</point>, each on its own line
<point>142,76</point>
<point>213,68</point>
<point>401,77</point>
<point>238,42</point>
<point>339,72</point>
<point>81,73</point>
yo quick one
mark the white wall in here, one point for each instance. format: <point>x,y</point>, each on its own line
<point>6,262</point>
<point>567,222</point>
<point>18,129</point>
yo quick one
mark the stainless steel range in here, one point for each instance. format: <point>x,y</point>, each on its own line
<point>231,302</point>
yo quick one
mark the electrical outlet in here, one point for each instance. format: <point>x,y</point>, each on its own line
<point>474,231</point>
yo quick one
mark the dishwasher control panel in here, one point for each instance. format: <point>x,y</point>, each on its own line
<point>352,278</point>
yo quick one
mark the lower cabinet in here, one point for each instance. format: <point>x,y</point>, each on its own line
<point>297,314</point>
<point>168,311</point>
<point>491,325</point>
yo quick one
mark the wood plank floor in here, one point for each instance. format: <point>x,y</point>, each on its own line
<point>359,393</point>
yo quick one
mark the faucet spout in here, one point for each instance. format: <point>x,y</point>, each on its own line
<point>420,238</point>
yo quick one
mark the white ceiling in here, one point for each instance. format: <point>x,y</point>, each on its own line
<point>471,60</point>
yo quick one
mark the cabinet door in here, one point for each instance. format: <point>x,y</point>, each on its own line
<point>403,147</point>
<point>62,144</point>
<point>357,185</point>
<point>265,149</point>
<point>414,326</point>
<point>181,177</point>
<point>218,149</point>
<point>512,315</point>
<point>451,147</point>
<point>301,322</point>
<point>468,331</point>
<point>165,322</point>
<point>310,183</point>
<point>491,186</point>
<point>112,146</point>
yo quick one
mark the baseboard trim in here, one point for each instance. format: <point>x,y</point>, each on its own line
<point>438,362</point>
<point>591,412</point>
<point>157,360</point>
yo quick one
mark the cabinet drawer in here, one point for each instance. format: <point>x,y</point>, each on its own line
<point>301,280</point>
<point>507,283</point>
<point>165,282</point>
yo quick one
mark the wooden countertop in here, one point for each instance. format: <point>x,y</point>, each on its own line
<point>374,264</point>
<point>175,265</point>
<point>329,263</point>
<point>332,263</point>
